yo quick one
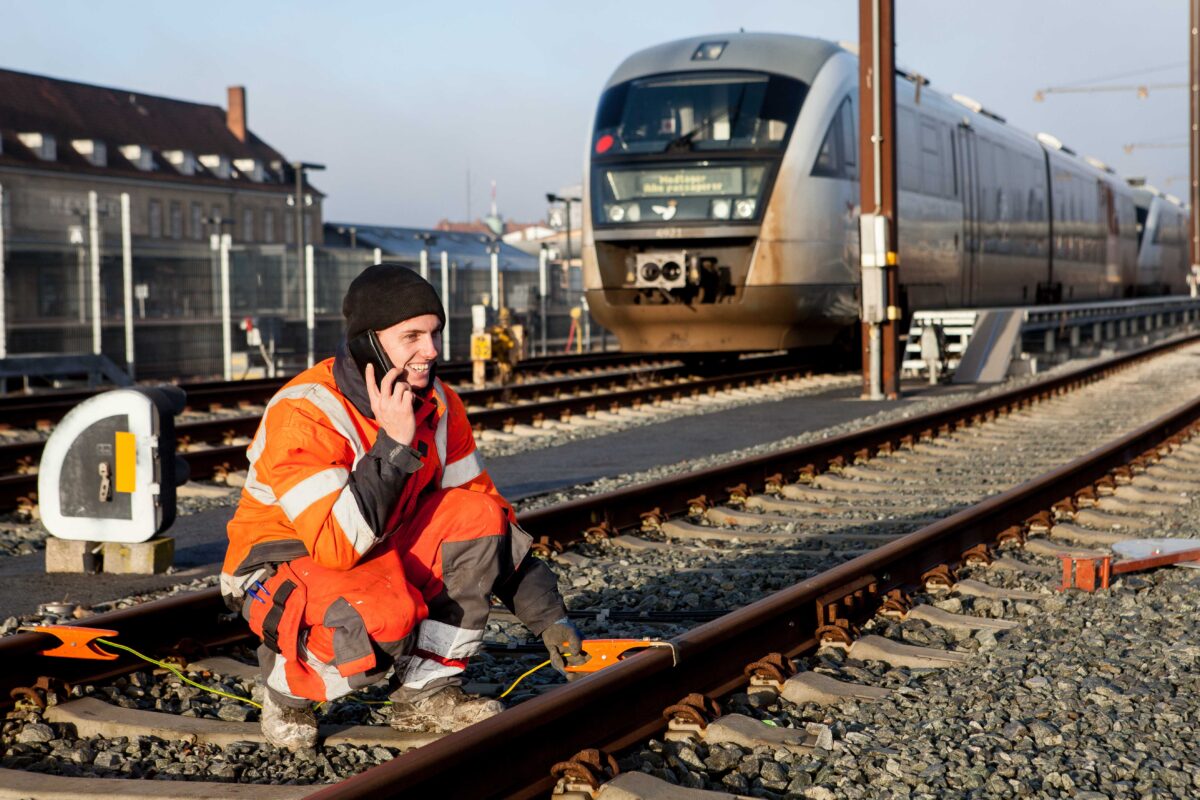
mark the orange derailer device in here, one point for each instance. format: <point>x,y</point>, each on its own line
<point>76,642</point>
<point>606,652</point>
<point>1096,572</point>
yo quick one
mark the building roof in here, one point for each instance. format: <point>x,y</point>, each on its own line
<point>71,110</point>
<point>480,226</point>
<point>466,249</point>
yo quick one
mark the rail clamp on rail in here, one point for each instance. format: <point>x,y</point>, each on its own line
<point>1096,572</point>
<point>76,642</point>
<point>606,652</point>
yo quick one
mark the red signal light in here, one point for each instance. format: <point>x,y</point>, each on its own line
<point>604,143</point>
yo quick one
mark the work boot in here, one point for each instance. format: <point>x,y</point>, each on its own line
<point>292,727</point>
<point>447,710</point>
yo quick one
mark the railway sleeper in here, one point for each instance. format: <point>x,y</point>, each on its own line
<point>19,784</point>
<point>1087,536</point>
<point>1122,505</point>
<point>92,717</point>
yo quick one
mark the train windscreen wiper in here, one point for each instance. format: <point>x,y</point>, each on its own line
<point>685,141</point>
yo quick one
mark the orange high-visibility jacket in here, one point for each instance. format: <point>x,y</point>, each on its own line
<point>325,481</point>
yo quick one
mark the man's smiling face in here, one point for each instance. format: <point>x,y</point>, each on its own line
<point>414,346</point>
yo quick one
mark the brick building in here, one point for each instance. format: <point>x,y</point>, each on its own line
<point>190,170</point>
<point>185,165</point>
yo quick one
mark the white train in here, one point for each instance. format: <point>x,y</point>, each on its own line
<point>721,203</point>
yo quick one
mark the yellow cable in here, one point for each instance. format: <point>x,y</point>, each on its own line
<point>523,677</point>
<point>248,701</point>
<point>178,674</point>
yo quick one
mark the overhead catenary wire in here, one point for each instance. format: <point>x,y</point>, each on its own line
<point>1090,85</point>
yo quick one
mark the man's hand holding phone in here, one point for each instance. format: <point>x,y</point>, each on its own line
<point>392,404</point>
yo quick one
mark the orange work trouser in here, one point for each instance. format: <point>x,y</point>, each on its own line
<point>419,599</point>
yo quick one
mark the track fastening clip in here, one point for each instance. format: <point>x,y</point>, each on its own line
<point>606,652</point>
<point>76,642</point>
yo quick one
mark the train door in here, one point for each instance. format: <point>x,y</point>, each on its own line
<point>968,189</point>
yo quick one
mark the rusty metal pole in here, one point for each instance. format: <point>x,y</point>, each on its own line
<point>879,227</point>
<point>1194,139</point>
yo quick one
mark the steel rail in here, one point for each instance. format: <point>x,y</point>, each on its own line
<point>639,387</point>
<point>510,755</point>
<point>494,758</point>
<point>14,454</point>
<point>622,509</point>
<point>31,410</point>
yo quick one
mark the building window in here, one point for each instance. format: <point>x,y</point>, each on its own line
<point>248,224</point>
<point>197,221</point>
<point>289,227</point>
<point>156,229</point>
<point>176,220</point>
<point>269,226</point>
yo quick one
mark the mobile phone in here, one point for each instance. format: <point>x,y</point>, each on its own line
<point>367,349</point>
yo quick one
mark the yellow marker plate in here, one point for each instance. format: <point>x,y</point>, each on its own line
<point>126,466</point>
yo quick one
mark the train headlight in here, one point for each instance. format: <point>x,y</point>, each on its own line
<point>720,208</point>
<point>744,208</point>
<point>671,271</point>
<point>650,271</point>
<point>616,213</point>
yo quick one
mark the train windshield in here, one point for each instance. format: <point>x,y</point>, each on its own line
<point>698,111</point>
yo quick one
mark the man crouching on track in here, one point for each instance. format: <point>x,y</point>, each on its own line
<point>369,535</point>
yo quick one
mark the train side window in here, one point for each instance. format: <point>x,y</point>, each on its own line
<point>830,162</point>
<point>931,159</point>
<point>908,150</point>
<point>952,173</point>
<point>987,178</point>
<point>849,145</point>
<point>1001,176</point>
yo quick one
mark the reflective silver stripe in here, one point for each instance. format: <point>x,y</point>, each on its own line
<point>350,518</point>
<point>257,489</point>
<point>448,641</point>
<point>313,488</point>
<point>232,586</point>
<point>439,438</point>
<point>278,681</point>
<point>419,672</point>
<point>334,411</point>
<point>235,585</point>
<point>465,469</point>
<point>335,685</point>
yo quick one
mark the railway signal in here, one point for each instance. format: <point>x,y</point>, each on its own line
<point>109,471</point>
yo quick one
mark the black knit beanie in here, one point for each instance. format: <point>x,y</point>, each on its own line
<point>385,294</point>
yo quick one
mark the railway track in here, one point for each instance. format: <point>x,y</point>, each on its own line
<point>45,409</point>
<point>858,554</point>
<point>216,447</point>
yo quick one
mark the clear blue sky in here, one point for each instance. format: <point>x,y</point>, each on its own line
<point>397,98</point>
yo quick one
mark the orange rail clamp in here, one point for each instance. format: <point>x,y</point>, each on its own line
<point>606,652</point>
<point>77,642</point>
<point>1092,572</point>
<point>1086,572</point>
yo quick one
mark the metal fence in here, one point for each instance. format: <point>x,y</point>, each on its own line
<point>165,300</point>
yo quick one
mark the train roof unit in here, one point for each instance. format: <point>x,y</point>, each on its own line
<point>799,57</point>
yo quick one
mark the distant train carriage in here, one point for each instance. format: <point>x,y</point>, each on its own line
<point>721,202</point>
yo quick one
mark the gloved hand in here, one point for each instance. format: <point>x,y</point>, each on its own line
<point>565,646</point>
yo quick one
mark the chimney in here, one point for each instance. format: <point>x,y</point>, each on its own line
<point>235,117</point>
